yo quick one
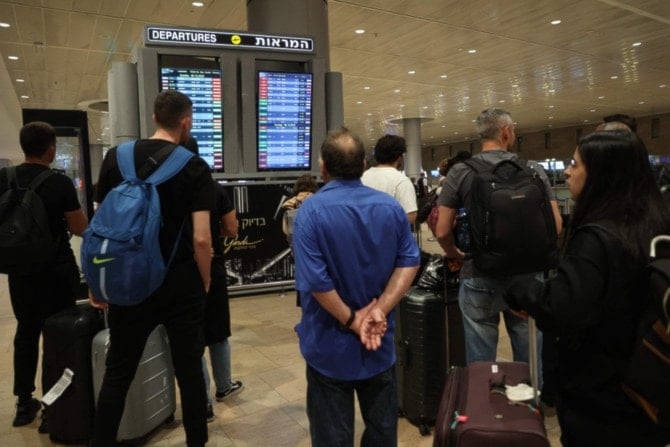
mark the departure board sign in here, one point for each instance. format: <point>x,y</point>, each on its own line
<point>284,121</point>
<point>203,86</point>
<point>158,35</point>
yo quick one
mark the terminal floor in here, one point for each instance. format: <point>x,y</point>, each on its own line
<point>270,411</point>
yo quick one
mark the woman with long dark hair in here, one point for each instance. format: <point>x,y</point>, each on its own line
<point>594,305</point>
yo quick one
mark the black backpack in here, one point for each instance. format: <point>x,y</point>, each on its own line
<point>512,227</point>
<point>647,378</point>
<point>26,242</point>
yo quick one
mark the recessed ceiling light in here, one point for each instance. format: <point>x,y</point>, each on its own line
<point>20,80</point>
<point>473,121</point>
<point>198,4</point>
<point>614,77</point>
<point>502,101</point>
<point>473,51</point>
<point>552,90</point>
<point>25,96</point>
<point>455,133</point>
<point>555,22</point>
<point>662,86</point>
<point>515,85</point>
<point>425,107</point>
<point>4,25</point>
<point>369,114</point>
<point>641,102</point>
<point>411,72</point>
<point>13,58</point>
<point>637,44</point>
<point>551,117</point>
<point>359,102</point>
<point>396,90</point>
<point>444,125</point>
<point>443,76</point>
<point>551,106</point>
<point>360,31</point>
<point>367,87</point>
<point>466,97</point>
<point>592,110</point>
<point>601,97</point>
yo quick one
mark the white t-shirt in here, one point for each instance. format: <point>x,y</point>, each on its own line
<point>394,183</point>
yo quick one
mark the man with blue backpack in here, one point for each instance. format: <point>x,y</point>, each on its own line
<point>143,288</point>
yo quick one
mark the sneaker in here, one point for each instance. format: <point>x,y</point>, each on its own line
<point>26,412</point>
<point>210,413</point>
<point>44,425</point>
<point>235,387</point>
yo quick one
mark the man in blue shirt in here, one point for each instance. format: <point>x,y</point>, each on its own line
<point>355,259</point>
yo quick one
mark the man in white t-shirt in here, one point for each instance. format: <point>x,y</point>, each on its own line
<point>386,175</point>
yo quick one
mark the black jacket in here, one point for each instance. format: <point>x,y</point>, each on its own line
<point>591,309</point>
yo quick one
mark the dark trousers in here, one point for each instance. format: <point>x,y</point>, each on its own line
<point>331,410</point>
<point>179,305</point>
<point>34,299</point>
<point>580,428</point>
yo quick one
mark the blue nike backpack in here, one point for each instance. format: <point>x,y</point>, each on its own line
<point>120,253</point>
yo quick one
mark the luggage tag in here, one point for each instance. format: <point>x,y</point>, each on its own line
<point>59,387</point>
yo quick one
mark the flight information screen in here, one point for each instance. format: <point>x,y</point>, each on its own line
<point>203,86</point>
<point>284,120</point>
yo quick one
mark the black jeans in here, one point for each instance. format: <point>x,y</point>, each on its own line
<point>34,299</point>
<point>179,305</point>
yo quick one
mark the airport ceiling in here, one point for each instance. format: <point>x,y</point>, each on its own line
<point>439,59</point>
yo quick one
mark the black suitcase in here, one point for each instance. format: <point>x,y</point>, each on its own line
<point>422,354</point>
<point>67,344</point>
<point>455,330</point>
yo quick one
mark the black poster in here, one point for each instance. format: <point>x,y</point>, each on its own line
<point>259,257</point>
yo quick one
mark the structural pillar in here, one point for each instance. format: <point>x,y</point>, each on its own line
<point>412,133</point>
<point>307,18</point>
<point>122,91</point>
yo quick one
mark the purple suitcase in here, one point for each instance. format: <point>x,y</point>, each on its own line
<point>475,412</point>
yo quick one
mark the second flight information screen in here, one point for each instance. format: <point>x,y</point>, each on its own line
<point>284,120</point>
<point>203,86</point>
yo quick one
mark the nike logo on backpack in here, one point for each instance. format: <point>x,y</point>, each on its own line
<point>98,261</point>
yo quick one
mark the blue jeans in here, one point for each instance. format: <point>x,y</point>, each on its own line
<point>331,410</point>
<point>481,303</point>
<point>219,357</point>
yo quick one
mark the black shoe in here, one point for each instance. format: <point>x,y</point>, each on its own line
<point>26,412</point>
<point>44,425</point>
<point>210,413</point>
<point>235,387</point>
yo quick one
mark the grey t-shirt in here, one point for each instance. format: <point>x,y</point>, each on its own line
<point>456,187</point>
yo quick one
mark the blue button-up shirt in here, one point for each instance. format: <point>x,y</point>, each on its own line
<point>350,238</point>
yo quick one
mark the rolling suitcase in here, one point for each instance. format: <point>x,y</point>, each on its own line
<point>151,398</point>
<point>67,338</point>
<point>425,339</point>
<point>475,409</point>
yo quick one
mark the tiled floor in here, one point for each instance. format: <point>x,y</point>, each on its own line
<point>270,411</point>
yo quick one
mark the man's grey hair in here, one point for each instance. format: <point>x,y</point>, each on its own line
<point>491,121</point>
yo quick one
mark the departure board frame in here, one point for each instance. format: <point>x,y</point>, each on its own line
<point>284,101</point>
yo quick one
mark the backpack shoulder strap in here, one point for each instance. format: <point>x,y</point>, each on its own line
<point>37,181</point>
<point>126,160</point>
<point>171,166</point>
<point>11,176</point>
